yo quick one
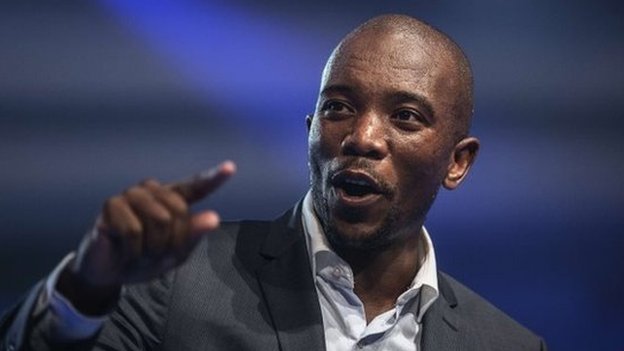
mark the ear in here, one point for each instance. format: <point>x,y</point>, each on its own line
<point>464,155</point>
<point>308,120</point>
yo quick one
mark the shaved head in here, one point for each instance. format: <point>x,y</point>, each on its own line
<point>389,129</point>
<point>409,34</point>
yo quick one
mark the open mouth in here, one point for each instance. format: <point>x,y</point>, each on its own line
<point>355,187</point>
<point>355,184</point>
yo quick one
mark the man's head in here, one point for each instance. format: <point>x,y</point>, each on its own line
<point>390,127</point>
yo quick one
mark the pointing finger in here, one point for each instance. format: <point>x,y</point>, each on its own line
<point>204,183</point>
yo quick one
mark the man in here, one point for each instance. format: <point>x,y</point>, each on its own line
<point>350,267</point>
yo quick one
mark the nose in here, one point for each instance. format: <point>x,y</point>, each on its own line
<point>367,138</point>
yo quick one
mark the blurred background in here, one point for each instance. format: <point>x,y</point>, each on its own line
<point>97,95</point>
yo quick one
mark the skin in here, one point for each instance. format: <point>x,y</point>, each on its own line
<point>394,106</point>
<point>140,234</point>
<point>387,108</point>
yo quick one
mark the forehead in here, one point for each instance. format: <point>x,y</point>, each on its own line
<point>383,63</point>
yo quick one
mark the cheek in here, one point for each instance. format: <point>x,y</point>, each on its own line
<point>420,175</point>
<point>419,185</point>
<point>318,154</point>
<point>323,141</point>
<point>314,148</point>
<point>420,167</point>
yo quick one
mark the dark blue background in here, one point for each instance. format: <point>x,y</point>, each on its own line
<point>96,95</point>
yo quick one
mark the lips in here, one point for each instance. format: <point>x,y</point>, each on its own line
<point>355,183</point>
<point>356,188</point>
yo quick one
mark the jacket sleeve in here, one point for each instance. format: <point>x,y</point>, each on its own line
<point>137,322</point>
<point>14,322</point>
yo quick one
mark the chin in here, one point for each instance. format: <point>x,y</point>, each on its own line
<point>354,230</point>
<point>360,236</point>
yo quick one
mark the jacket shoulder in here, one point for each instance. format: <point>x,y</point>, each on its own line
<point>492,325</point>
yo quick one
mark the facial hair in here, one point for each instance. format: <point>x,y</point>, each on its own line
<point>386,234</point>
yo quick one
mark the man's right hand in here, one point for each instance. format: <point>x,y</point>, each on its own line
<point>140,234</point>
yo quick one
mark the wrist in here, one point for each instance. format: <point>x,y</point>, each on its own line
<point>86,298</point>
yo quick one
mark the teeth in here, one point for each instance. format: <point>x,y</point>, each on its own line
<point>356,182</point>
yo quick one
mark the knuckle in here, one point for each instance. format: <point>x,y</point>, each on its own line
<point>150,183</point>
<point>134,191</point>
<point>178,205</point>
<point>162,217</point>
<point>134,231</point>
<point>173,201</point>
<point>112,202</point>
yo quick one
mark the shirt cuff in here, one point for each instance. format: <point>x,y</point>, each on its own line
<point>67,322</point>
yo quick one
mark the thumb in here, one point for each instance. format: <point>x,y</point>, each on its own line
<point>204,222</point>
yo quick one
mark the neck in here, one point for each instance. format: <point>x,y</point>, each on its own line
<point>382,275</point>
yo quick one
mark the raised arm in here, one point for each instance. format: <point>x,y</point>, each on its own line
<point>140,234</point>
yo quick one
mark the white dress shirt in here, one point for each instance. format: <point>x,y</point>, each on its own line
<point>344,319</point>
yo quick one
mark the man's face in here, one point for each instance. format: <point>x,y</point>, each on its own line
<point>381,139</point>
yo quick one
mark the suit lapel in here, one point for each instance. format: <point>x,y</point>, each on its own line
<point>288,287</point>
<point>442,326</point>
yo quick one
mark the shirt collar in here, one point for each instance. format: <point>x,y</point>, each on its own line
<point>324,261</point>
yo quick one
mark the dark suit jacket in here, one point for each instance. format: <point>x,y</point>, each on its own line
<point>249,286</point>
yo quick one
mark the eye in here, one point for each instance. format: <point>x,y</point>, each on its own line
<point>335,106</point>
<point>408,119</point>
<point>407,116</point>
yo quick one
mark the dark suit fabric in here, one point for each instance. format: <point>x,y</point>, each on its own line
<point>249,286</point>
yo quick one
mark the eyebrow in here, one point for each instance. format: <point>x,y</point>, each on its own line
<point>405,96</point>
<point>344,89</point>
<point>396,97</point>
